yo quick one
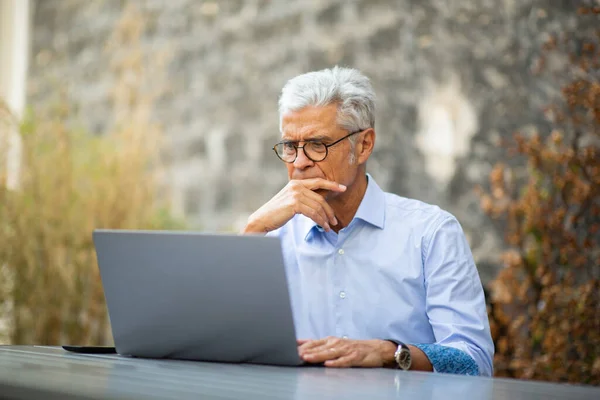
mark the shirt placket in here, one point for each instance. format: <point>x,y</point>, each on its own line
<point>339,292</point>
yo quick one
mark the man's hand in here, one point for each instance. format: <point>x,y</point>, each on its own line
<point>297,197</point>
<point>340,353</point>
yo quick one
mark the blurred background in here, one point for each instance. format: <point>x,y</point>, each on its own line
<point>156,114</point>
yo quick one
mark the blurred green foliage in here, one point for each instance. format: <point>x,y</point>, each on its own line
<point>70,183</point>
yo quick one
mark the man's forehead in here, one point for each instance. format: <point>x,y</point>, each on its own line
<point>313,123</point>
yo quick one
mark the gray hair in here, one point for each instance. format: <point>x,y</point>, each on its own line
<point>347,87</point>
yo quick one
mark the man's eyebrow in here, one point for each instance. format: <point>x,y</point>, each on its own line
<point>316,138</point>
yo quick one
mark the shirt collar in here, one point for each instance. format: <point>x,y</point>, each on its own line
<point>371,209</point>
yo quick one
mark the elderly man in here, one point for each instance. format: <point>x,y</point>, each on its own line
<point>376,280</point>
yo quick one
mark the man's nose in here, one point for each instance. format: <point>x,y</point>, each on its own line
<point>302,161</point>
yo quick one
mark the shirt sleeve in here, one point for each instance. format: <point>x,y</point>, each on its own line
<point>455,302</point>
<point>449,360</point>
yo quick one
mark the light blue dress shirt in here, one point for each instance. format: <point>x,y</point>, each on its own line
<point>401,270</point>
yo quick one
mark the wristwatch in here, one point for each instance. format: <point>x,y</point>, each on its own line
<point>402,355</point>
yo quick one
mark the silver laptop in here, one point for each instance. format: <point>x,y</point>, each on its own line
<point>197,296</point>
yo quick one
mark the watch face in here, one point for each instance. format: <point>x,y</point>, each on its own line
<point>404,359</point>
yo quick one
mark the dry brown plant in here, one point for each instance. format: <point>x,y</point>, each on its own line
<point>545,303</point>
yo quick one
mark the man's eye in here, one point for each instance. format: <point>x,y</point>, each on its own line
<point>317,147</point>
<point>288,146</point>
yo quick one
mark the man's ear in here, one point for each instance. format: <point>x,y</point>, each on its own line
<point>365,145</point>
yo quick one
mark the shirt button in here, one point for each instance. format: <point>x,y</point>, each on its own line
<point>342,295</point>
<point>345,337</point>
<point>341,251</point>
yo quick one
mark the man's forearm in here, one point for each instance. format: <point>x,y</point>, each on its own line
<point>254,227</point>
<point>420,362</point>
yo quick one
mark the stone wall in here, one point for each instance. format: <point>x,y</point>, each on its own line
<point>452,79</point>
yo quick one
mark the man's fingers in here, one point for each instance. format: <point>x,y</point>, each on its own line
<point>321,356</point>
<point>310,344</point>
<point>305,189</point>
<point>345,361</point>
<point>327,348</point>
<point>331,351</point>
<point>319,183</point>
<point>313,212</point>
<point>319,209</point>
<point>326,207</point>
<point>326,353</point>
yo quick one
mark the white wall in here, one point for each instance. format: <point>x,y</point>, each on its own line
<point>14,55</point>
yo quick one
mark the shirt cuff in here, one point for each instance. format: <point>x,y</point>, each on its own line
<point>448,359</point>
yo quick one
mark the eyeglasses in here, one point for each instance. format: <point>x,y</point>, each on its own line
<point>316,151</point>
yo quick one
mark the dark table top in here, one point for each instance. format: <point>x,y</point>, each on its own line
<point>28,372</point>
